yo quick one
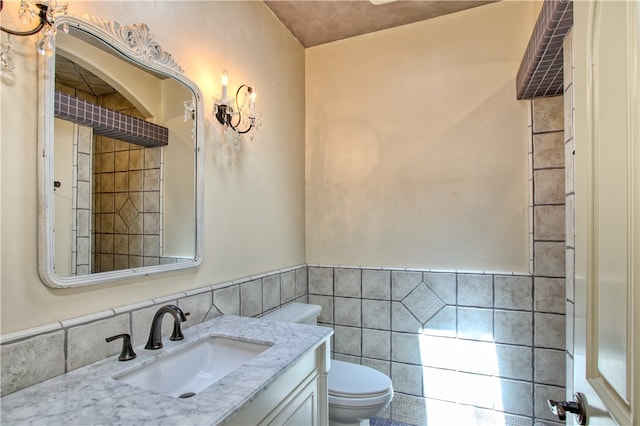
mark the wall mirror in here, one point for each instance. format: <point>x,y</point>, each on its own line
<point>120,185</point>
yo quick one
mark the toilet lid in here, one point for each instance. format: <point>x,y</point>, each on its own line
<point>347,379</point>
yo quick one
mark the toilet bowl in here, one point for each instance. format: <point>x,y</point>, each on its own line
<point>356,392</point>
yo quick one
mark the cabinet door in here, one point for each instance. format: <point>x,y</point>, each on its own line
<point>302,410</point>
<point>281,396</point>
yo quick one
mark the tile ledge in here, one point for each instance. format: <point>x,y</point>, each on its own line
<point>198,291</point>
<point>72,322</point>
<point>428,270</point>
<point>293,268</point>
<point>133,307</point>
<point>220,286</point>
<point>85,319</point>
<point>29,332</point>
<point>169,298</point>
<point>259,276</point>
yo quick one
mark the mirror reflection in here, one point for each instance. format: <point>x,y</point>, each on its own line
<point>124,175</point>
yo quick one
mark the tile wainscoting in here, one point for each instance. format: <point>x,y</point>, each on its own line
<point>35,355</point>
<point>488,347</point>
<point>474,345</point>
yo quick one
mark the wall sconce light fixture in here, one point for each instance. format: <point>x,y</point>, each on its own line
<point>47,10</point>
<point>190,114</point>
<point>238,115</point>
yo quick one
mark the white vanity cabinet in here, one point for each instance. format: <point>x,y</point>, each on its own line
<point>297,397</point>
<point>283,385</point>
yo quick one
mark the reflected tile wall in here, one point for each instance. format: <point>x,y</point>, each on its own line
<point>128,206</point>
<point>81,204</point>
<point>126,185</point>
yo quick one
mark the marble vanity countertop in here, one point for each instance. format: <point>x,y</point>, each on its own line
<point>90,396</point>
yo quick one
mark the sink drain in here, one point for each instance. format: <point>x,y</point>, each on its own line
<point>187,395</point>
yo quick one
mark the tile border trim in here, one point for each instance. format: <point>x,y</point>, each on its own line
<point>86,319</point>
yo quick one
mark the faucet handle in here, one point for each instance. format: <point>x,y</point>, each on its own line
<point>127,353</point>
<point>177,331</point>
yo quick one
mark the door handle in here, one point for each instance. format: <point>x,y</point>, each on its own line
<point>577,406</point>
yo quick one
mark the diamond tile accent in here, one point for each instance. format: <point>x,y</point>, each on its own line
<point>128,213</point>
<point>423,303</point>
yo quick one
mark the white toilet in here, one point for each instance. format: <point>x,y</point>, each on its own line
<point>356,392</point>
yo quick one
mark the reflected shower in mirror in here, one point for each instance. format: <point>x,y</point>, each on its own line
<point>122,187</point>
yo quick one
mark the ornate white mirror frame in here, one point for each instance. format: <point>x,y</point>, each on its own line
<point>135,44</point>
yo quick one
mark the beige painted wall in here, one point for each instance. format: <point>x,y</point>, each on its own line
<point>254,199</point>
<point>416,148</point>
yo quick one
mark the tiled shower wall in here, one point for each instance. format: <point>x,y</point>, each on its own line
<point>35,355</point>
<point>465,347</point>
<point>81,202</point>
<point>126,187</point>
<point>550,240</point>
<point>122,181</point>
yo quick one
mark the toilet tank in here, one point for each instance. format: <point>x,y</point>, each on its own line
<point>301,313</point>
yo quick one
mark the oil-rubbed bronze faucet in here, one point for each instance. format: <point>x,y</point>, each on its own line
<point>127,352</point>
<point>155,335</point>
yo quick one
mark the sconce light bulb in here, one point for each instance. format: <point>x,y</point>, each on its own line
<point>252,102</point>
<point>224,80</point>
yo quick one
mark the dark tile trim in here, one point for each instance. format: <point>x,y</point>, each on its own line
<point>107,122</point>
<point>541,69</point>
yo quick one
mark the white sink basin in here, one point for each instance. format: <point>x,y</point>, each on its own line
<point>193,368</point>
